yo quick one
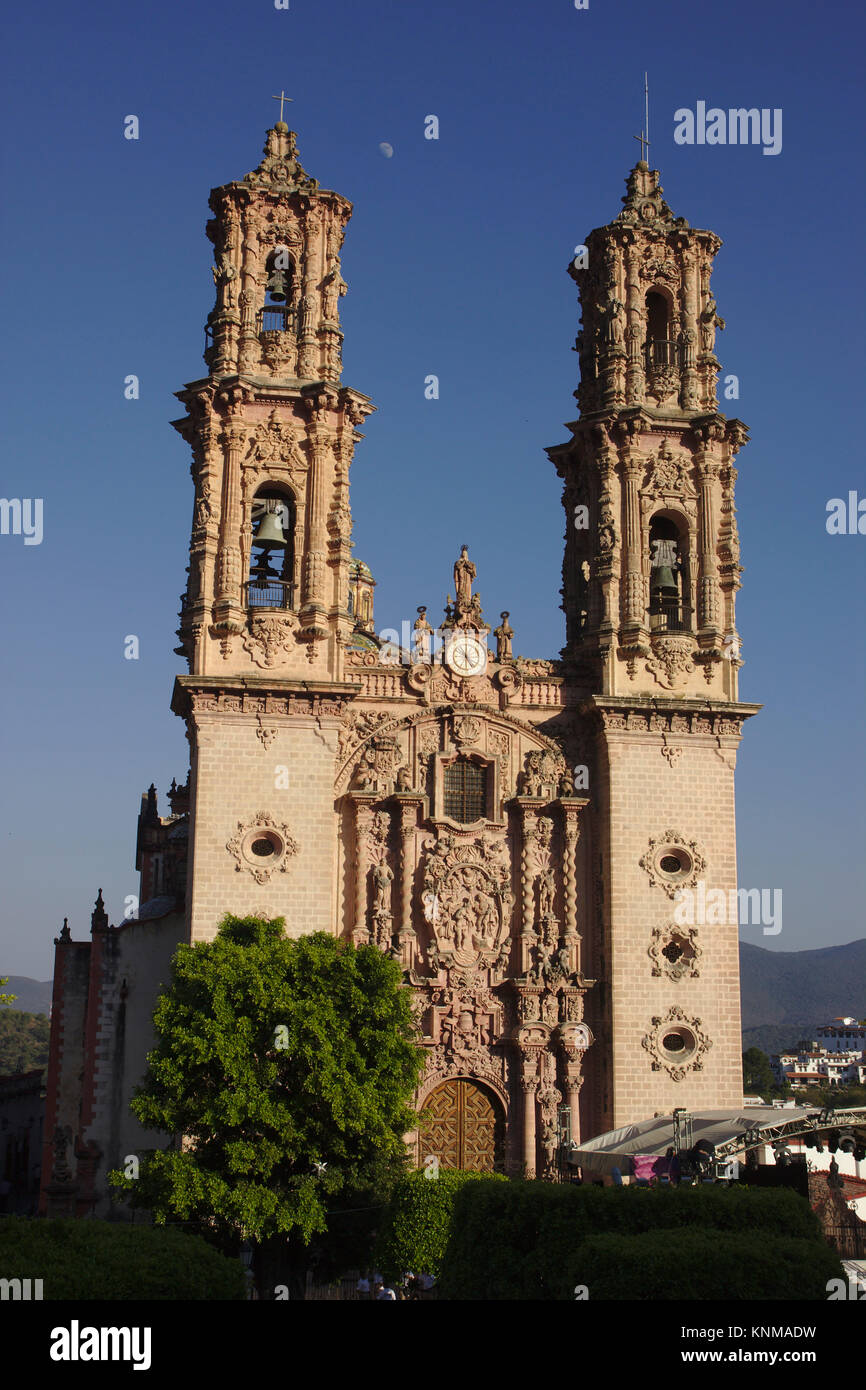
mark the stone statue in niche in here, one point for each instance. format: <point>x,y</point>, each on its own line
<point>203,506</point>
<point>546,892</point>
<point>549,1144</point>
<point>334,289</point>
<point>610,314</point>
<point>383,877</point>
<point>710,321</point>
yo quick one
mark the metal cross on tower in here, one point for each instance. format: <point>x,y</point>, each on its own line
<point>643,138</point>
<point>281,99</point>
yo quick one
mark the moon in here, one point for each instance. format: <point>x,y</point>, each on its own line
<point>386,149</point>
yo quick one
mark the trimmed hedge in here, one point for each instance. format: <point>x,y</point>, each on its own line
<point>701,1265</point>
<point>522,1240</point>
<point>417,1222</point>
<point>90,1259</point>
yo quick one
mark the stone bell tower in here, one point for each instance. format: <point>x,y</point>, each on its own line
<point>650,575</point>
<point>267,614</point>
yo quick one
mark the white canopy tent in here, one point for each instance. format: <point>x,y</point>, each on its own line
<point>729,1131</point>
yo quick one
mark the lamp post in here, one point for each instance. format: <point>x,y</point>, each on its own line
<point>247,1252</point>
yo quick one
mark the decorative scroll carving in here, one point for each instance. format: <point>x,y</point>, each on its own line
<point>377,766</point>
<point>273,446</point>
<point>541,774</point>
<point>467,730</point>
<point>267,638</point>
<point>674,952</point>
<point>671,661</point>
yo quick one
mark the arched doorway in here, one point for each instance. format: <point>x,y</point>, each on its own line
<point>463,1125</point>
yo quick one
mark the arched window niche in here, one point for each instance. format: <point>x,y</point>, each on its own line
<point>660,347</point>
<point>277,314</point>
<point>465,789</point>
<point>272,549</point>
<point>669,577</point>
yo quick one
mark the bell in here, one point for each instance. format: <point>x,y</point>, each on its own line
<point>270,532</point>
<point>663,581</point>
<point>278,286</point>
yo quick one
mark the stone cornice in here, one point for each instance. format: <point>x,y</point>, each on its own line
<point>653,715</point>
<point>259,695</point>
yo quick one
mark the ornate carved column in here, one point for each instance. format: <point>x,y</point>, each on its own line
<point>307,344</point>
<point>708,470</point>
<point>573,1082</point>
<point>312,612</point>
<point>632,471</point>
<point>408,821</point>
<point>604,584</point>
<point>249,349</point>
<point>363,827</point>
<point>229,603</point>
<point>529,817</point>
<point>634,334</point>
<point>529,1085</point>
<point>571,808</point>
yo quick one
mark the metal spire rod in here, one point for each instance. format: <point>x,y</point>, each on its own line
<point>643,138</point>
<point>282,98</point>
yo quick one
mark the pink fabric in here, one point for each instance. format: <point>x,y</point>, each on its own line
<point>649,1166</point>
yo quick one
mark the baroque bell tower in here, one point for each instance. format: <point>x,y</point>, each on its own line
<point>650,575</point>
<point>267,613</point>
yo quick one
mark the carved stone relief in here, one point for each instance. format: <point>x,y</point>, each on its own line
<point>674,952</point>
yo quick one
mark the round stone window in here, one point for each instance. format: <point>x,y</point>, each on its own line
<point>678,1043</point>
<point>263,845</point>
<point>674,862</point>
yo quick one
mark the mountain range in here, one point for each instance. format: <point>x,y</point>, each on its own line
<point>786,995</point>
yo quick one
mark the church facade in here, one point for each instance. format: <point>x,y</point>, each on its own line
<point>514,831</point>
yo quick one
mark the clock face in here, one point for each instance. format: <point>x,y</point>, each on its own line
<point>467,656</point>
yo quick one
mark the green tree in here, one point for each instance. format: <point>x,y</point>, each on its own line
<point>758,1079</point>
<point>24,1041</point>
<point>288,1067</point>
<point>7,998</point>
<point>414,1231</point>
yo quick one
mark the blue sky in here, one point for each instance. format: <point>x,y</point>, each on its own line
<point>455,260</point>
